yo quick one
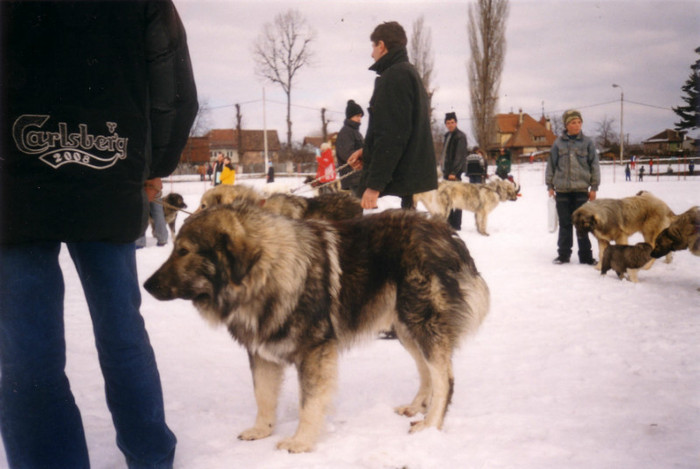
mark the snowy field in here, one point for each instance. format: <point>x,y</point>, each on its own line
<point>569,370</point>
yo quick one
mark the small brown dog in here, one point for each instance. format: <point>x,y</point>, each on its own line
<point>172,203</point>
<point>623,258</point>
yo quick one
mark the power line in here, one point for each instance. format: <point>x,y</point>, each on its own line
<point>651,105</point>
<point>300,106</point>
<point>556,111</point>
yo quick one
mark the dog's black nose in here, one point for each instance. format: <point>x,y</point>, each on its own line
<point>157,289</point>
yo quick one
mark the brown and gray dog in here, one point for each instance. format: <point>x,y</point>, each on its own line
<point>297,292</point>
<point>682,233</point>
<point>617,219</point>
<point>626,259</point>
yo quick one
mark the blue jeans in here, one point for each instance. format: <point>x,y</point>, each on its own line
<point>40,422</point>
<point>160,228</point>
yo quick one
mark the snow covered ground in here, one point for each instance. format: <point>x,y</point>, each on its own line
<point>570,369</point>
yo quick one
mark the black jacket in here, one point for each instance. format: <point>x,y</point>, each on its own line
<point>398,156</point>
<point>96,98</point>
<point>455,154</point>
<point>348,141</point>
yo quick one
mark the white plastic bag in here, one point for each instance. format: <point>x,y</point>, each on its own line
<point>552,218</point>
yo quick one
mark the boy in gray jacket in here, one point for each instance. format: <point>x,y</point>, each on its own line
<point>573,176</point>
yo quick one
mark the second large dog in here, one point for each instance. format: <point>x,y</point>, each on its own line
<point>478,198</point>
<point>298,291</point>
<point>682,233</point>
<point>618,219</point>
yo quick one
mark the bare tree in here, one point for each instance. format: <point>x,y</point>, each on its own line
<point>281,51</point>
<point>422,57</point>
<point>324,125</point>
<point>607,136</point>
<point>487,42</point>
<point>239,133</point>
<point>202,122</point>
<point>557,124</point>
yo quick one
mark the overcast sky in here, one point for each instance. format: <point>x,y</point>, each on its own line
<point>560,54</point>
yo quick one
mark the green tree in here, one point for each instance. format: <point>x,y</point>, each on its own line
<point>690,113</point>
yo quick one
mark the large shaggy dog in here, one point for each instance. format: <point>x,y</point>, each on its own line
<point>618,219</point>
<point>626,259</point>
<point>478,198</point>
<point>329,206</point>
<point>682,233</point>
<point>296,292</point>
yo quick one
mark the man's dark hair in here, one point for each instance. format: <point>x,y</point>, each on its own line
<point>392,33</point>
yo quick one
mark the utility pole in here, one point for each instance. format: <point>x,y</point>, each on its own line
<point>622,134</point>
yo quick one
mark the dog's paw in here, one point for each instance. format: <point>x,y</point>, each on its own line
<point>409,410</point>
<point>417,426</point>
<point>255,433</point>
<point>294,446</point>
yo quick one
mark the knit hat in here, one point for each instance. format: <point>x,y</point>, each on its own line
<point>353,109</point>
<point>570,115</point>
<point>450,116</point>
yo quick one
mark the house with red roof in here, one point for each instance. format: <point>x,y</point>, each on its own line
<point>245,148</point>
<point>522,135</point>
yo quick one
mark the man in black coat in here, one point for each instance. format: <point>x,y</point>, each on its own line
<point>398,157</point>
<point>97,102</point>
<point>454,161</point>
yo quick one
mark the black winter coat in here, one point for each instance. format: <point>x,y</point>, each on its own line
<point>348,141</point>
<point>455,155</point>
<point>96,98</point>
<point>398,156</point>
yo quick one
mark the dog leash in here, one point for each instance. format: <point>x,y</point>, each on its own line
<point>309,185</point>
<point>165,204</point>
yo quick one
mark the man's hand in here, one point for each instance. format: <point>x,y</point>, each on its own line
<point>551,192</point>
<point>369,199</point>
<point>591,196</point>
<point>355,160</point>
<point>154,188</point>
<point>452,177</point>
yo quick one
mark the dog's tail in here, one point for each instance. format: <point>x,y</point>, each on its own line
<point>478,299</point>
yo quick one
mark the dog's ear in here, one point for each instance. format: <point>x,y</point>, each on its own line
<point>240,257</point>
